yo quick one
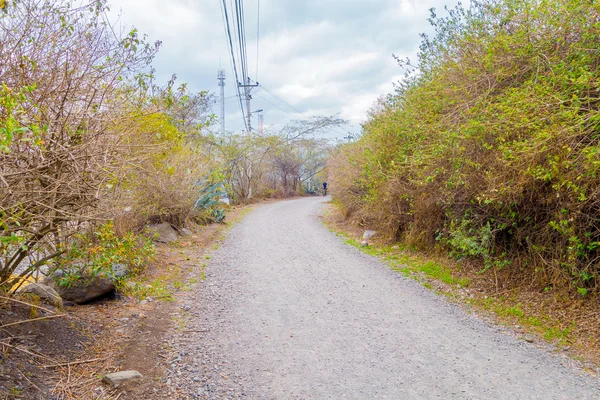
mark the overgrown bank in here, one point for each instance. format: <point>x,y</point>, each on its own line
<point>488,150</point>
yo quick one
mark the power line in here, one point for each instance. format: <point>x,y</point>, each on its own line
<point>282,100</point>
<point>275,105</point>
<point>231,48</point>
<point>301,114</point>
<point>257,37</point>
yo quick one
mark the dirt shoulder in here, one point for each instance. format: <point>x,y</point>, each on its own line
<point>65,357</point>
<point>549,318</point>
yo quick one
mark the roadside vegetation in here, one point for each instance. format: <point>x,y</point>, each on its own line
<point>95,153</point>
<point>488,149</point>
<point>93,149</point>
<point>487,156</point>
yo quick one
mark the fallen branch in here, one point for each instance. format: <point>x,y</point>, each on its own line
<point>26,351</point>
<point>27,304</point>
<point>27,379</point>
<point>73,363</point>
<point>32,320</point>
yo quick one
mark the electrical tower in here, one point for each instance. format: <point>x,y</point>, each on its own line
<point>221,79</point>
<point>247,91</point>
<point>260,124</point>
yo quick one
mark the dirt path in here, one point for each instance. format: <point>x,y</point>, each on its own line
<point>288,311</point>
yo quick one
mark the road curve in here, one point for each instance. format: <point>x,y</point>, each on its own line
<point>288,311</point>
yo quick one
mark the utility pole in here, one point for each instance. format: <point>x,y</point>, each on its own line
<point>247,91</point>
<point>221,79</point>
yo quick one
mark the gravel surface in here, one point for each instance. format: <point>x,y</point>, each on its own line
<point>288,311</point>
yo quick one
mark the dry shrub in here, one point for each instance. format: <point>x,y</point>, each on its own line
<point>62,71</point>
<point>165,190</point>
<point>490,148</point>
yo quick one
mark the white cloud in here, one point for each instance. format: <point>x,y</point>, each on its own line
<point>322,56</point>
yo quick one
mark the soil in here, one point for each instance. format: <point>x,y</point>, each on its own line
<point>102,337</point>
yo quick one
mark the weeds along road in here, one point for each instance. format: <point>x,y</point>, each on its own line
<point>289,311</point>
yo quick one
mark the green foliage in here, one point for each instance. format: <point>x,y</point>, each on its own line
<point>209,200</point>
<point>95,255</point>
<point>141,289</point>
<point>489,148</point>
<point>468,242</point>
<point>12,131</point>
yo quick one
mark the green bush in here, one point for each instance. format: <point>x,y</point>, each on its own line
<point>491,143</point>
<point>95,255</point>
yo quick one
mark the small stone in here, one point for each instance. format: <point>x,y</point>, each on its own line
<point>143,302</point>
<point>163,233</point>
<point>44,292</point>
<point>369,234</point>
<point>364,243</point>
<point>529,339</point>
<point>117,378</point>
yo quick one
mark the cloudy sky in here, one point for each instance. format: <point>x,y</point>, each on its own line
<point>323,57</point>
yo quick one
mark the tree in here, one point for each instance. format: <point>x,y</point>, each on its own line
<point>277,163</point>
<point>64,71</point>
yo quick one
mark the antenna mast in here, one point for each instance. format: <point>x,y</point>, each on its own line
<point>221,79</point>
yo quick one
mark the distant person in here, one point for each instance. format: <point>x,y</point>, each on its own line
<point>324,188</point>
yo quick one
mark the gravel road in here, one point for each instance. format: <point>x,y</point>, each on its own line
<point>288,311</point>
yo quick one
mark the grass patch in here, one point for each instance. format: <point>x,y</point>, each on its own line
<point>410,265</point>
<point>141,289</point>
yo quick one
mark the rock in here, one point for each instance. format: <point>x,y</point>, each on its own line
<point>164,232</point>
<point>185,232</point>
<point>143,302</point>
<point>364,243</point>
<point>86,290</point>
<point>44,292</point>
<point>119,270</point>
<point>117,378</point>
<point>369,234</point>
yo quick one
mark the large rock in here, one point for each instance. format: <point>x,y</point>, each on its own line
<point>164,232</point>
<point>44,292</point>
<point>117,378</point>
<point>369,234</point>
<point>119,270</point>
<point>86,289</point>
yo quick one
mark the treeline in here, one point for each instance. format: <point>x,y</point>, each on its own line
<point>93,149</point>
<point>489,148</point>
